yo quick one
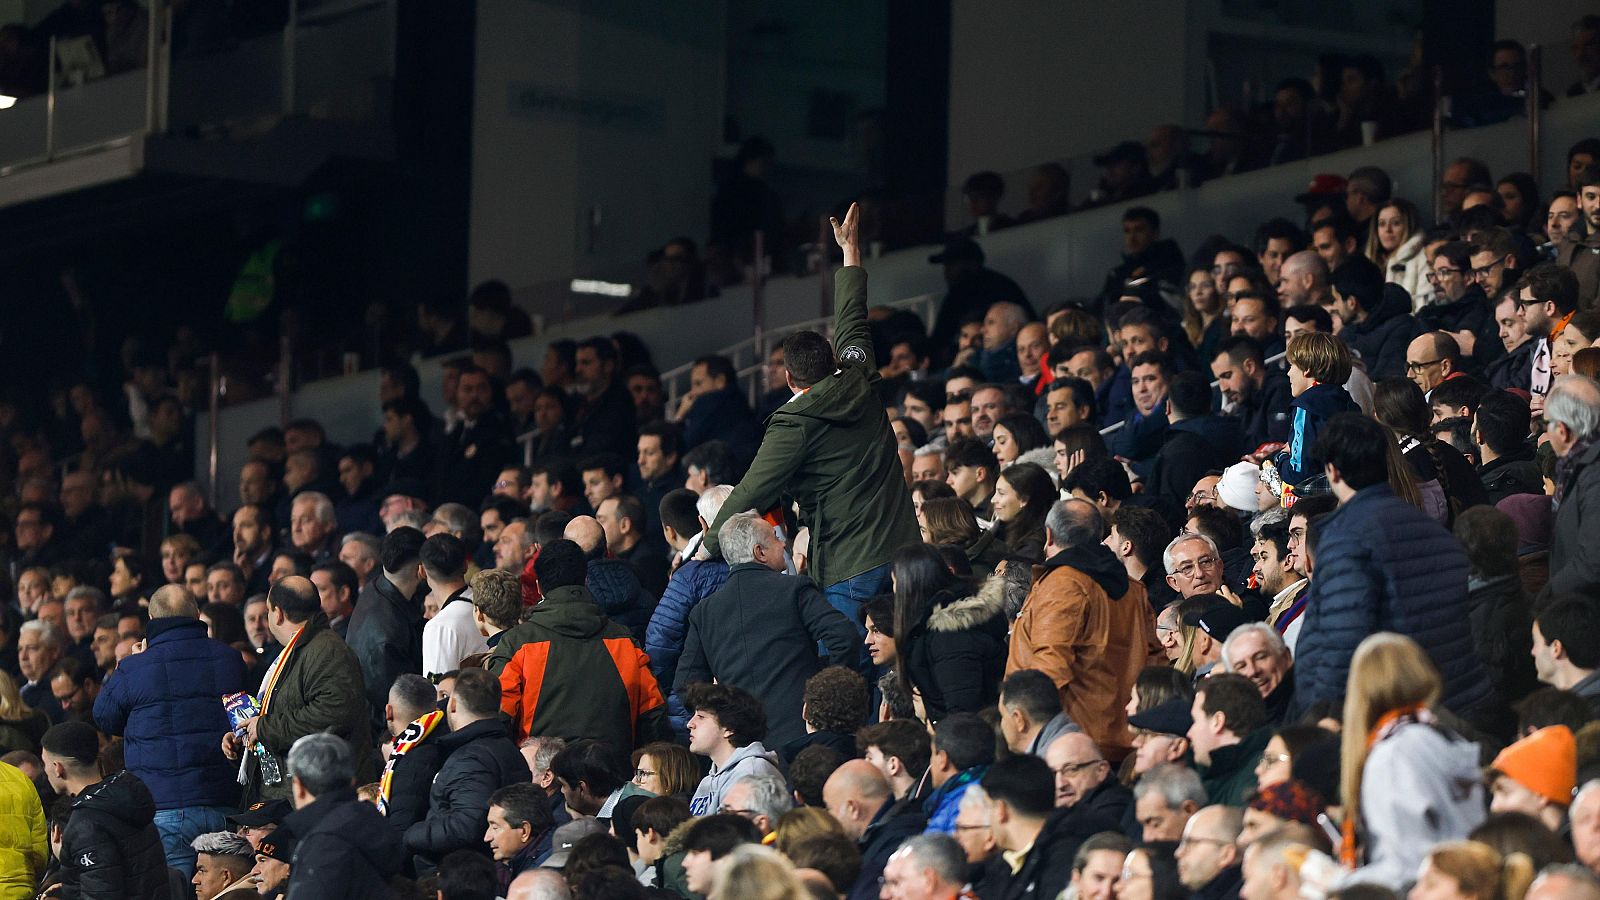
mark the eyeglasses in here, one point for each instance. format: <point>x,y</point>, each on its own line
<point>960,827</point>
<point>1229,268</point>
<point>1485,271</point>
<point>1190,569</point>
<point>1419,366</point>
<point>1070,769</point>
<point>641,774</point>
<point>503,483</point>
<point>742,813</point>
<point>1438,275</point>
<point>1191,841</point>
<point>1202,496</point>
<point>1273,759</point>
<point>1166,629</point>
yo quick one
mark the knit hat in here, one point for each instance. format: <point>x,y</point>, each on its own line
<point>1533,517</point>
<point>278,845</point>
<point>1545,762</point>
<point>1238,486</point>
<point>1293,800</point>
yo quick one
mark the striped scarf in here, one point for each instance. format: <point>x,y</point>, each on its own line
<point>411,736</point>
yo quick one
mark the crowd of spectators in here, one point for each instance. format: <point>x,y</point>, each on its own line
<point>1269,572</point>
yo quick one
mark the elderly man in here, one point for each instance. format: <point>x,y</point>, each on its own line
<point>1271,869</point>
<point>1087,626</point>
<point>1572,422</point>
<point>1258,652</point>
<point>760,630</point>
<point>1194,566</point>
<point>1304,279</point>
<point>1164,800</point>
<point>362,552</point>
<point>1431,359</point>
<point>1208,857</point>
<point>39,647</point>
<point>926,867</point>
<point>760,798</point>
<point>1086,783</point>
<point>1584,815</point>
<point>998,358</point>
<point>312,524</point>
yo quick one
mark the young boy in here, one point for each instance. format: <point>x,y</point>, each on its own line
<point>1319,365</point>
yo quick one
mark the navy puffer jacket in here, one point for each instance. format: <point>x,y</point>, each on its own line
<point>167,704</point>
<point>1384,565</point>
<point>694,581</point>
<point>620,595</point>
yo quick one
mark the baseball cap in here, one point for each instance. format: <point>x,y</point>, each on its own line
<point>264,812</point>
<point>959,250</point>
<point>566,837</point>
<point>1219,619</point>
<point>1168,717</point>
<point>1323,187</point>
<point>278,845</point>
<point>1127,151</point>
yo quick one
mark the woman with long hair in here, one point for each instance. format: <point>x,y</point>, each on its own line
<point>950,520</point>
<point>1150,872</point>
<point>1016,435</point>
<point>1519,203</point>
<point>1396,247</point>
<point>1447,482</point>
<point>950,635</point>
<point>1408,783</point>
<point>1203,321</point>
<point>1023,495</point>
<point>1468,870</point>
<point>21,726</point>
<point>1177,637</point>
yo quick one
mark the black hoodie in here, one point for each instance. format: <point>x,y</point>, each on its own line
<point>345,849</point>
<point>110,847</point>
<point>1382,337</point>
<point>1099,563</point>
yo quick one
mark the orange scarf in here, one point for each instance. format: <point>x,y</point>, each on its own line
<point>1348,853</point>
<point>282,663</point>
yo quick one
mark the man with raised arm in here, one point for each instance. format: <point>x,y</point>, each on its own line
<point>831,450</point>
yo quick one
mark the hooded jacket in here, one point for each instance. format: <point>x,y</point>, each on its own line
<point>479,760</point>
<point>1384,565</point>
<point>344,849</point>
<point>110,848</point>
<point>1091,630</point>
<point>751,759</point>
<point>1382,337</point>
<point>1575,559</point>
<point>1312,409</point>
<point>831,449</point>
<point>759,632</point>
<point>24,840</point>
<point>694,581</point>
<point>166,703</point>
<point>1420,786</point>
<point>956,656</point>
<point>386,636</point>
<point>620,595</point>
<point>569,672</point>
<point>1408,268</point>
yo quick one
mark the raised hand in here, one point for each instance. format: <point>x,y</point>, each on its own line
<point>846,233</point>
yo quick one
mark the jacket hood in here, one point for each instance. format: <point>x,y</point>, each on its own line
<point>748,751</point>
<point>571,612</point>
<point>1097,562</point>
<point>1325,400</point>
<point>842,398</point>
<point>122,797</point>
<point>1395,301</point>
<point>1043,457</point>
<point>483,728</point>
<point>613,584</point>
<point>970,612</point>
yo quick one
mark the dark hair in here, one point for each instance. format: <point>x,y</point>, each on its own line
<point>1096,476</point>
<point>1280,229</point>
<point>714,458</point>
<point>920,576</point>
<point>831,853</point>
<point>1275,533</point>
<point>560,564</point>
<point>1221,525</point>
<point>1190,394</point>
<point>1548,282</point>
<point>662,814</point>
<point>1552,706</point>
<point>548,527</point>
<point>973,453</point>
<point>1490,538</point>
<point>1033,692</point>
<point>1502,421</point>
<point>1155,685</point>
<point>1155,358</point>
<point>1237,698</point>
<point>1457,253</point>
<point>1574,621</point>
<point>342,575</point>
<point>1082,391</point>
<point>905,739</point>
<point>1357,446</point>
<point>612,464</point>
<point>593,763</point>
<point>1038,493</point>
<point>835,700</point>
<point>679,511</point>
<point>718,834</point>
<point>1316,315</point>
<point>1085,437</point>
<point>930,393</point>
<point>227,622</point>
<point>667,433</point>
<point>1143,213</point>
<point>478,692</point>
<point>505,507</point>
<point>524,803</point>
<point>77,741</point>
<point>1140,316</point>
<point>809,358</point>
<point>1025,430</point>
<point>966,739</point>
<point>591,860</point>
<point>811,769</point>
<point>298,603</point>
<point>1240,348</point>
<point>736,710</point>
<point>881,609</point>
<point>1023,782</point>
<point>1146,529</point>
<point>1519,832</point>
<point>1463,390</point>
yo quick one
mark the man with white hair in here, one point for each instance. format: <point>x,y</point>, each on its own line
<point>539,884</point>
<point>39,647</point>
<point>1564,882</point>
<point>1165,798</point>
<point>760,630</point>
<point>1584,817</point>
<point>311,525</point>
<point>760,798</point>
<point>1572,422</point>
<point>1259,653</point>
<point>926,867</point>
<point>224,861</point>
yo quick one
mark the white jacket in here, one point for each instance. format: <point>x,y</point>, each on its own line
<point>1420,786</point>
<point>1408,268</point>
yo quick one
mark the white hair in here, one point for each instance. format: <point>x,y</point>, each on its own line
<point>45,632</point>
<point>740,535</point>
<point>322,506</point>
<point>1268,633</point>
<point>224,843</point>
<point>1574,401</point>
<point>768,796</point>
<point>1174,783</point>
<point>370,544</point>
<point>1166,555</point>
<point>1270,516</point>
<point>710,502</point>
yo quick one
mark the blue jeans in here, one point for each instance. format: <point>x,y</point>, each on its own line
<point>179,828</point>
<point>848,596</point>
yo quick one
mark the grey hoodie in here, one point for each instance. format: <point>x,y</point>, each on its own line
<point>751,759</point>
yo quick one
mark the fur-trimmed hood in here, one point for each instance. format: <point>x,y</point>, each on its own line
<point>970,612</point>
<point>1043,457</point>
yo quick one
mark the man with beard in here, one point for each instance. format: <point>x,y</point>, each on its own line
<point>1549,298</point>
<point>1259,396</point>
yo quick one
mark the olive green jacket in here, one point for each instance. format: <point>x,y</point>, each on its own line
<point>832,451</point>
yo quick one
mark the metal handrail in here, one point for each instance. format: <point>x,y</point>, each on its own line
<point>1115,427</point>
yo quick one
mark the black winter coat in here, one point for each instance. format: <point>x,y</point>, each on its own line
<point>110,848</point>
<point>1265,415</point>
<point>1574,552</point>
<point>480,759</point>
<point>893,824</point>
<point>386,636</point>
<point>956,657</point>
<point>1502,635</point>
<point>1382,337</point>
<point>1474,313</point>
<point>1047,869</point>
<point>412,783</point>
<point>344,850</point>
<point>621,595</point>
<point>1510,475</point>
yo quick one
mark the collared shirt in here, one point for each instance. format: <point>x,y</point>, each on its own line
<point>1016,859</point>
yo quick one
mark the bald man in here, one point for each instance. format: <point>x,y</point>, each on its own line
<point>1086,783</point>
<point>998,358</point>
<point>1032,342</point>
<point>1432,359</point>
<point>613,582</point>
<point>1303,279</point>
<point>315,685</point>
<point>859,797</point>
<point>539,884</point>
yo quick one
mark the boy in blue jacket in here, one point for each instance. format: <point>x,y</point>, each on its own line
<point>1319,365</point>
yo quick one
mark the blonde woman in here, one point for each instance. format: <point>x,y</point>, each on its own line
<point>1468,870</point>
<point>21,726</point>
<point>1395,245</point>
<point>754,872</point>
<point>1408,783</point>
<point>803,822</point>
